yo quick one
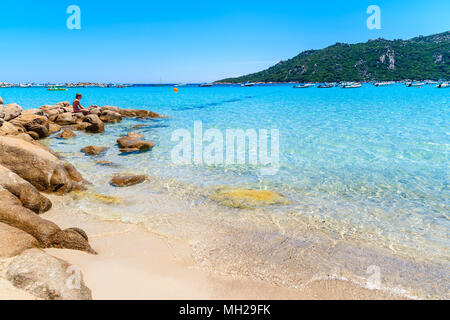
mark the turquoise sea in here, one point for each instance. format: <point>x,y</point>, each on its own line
<point>366,171</point>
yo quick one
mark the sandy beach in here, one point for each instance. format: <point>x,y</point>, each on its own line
<point>134,263</point>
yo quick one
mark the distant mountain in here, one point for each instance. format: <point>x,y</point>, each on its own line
<point>417,59</point>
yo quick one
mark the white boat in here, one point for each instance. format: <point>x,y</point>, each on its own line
<point>325,86</point>
<point>304,86</point>
<point>443,85</point>
<point>383,83</point>
<point>247,84</point>
<point>351,85</point>
<point>180,85</point>
<point>415,84</point>
<point>205,85</point>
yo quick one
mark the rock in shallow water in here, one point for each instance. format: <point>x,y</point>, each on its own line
<point>107,163</point>
<point>132,142</point>
<point>247,198</point>
<point>66,134</point>
<point>96,125</point>
<point>47,277</point>
<point>93,150</point>
<point>127,180</point>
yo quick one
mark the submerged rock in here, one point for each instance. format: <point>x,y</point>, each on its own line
<point>127,180</point>
<point>247,198</point>
<point>93,150</point>
<point>107,163</point>
<point>97,197</point>
<point>1,100</point>
<point>66,134</point>
<point>47,277</point>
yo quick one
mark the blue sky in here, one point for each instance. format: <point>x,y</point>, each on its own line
<point>189,41</point>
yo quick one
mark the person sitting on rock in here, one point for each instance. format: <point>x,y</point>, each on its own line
<point>77,107</point>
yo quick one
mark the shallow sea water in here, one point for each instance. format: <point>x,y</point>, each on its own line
<point>366,171</point>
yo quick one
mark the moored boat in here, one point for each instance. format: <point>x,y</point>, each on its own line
<point>443,85</point>
<point>384,83</point>
<point>325,85</point>
<point>304,86</point>
<point>56,89</point>
<point>351,85</point>
<point>415,84</point>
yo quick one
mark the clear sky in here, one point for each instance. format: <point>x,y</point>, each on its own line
<point>189,41</point>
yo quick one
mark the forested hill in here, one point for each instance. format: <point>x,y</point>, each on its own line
<point>419,58</point>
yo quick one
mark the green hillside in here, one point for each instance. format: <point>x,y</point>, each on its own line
<point>418,58</point>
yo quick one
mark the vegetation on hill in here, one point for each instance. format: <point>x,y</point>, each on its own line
<point>376,60</point>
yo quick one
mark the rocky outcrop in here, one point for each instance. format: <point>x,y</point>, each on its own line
<point>48,234</point>
<point>14,241</point>
<point>10,111</point>
<point>110,116</point>
<point>8,129</point>
<point>96,125</point>
<point>26,137</point>
<point>47,277</point>
<point>37,112</point>
<point>1,100</point>
<point>65,119</point>
<point>28,195</point>
<point>133,142</point>
<point>66,134</point>
<point>36,165</point>
<point>127,180</point>
<point>132,113</point>
<point>53,127</point>
<point>93,150</point>
<point>33,123</point>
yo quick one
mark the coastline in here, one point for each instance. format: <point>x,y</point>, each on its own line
<point>134,263</point>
